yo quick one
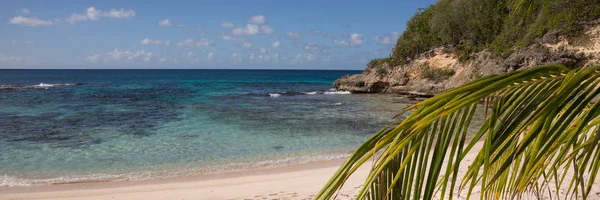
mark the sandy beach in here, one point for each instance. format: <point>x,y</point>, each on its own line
<point>291,182</point>
<point>301,181</point>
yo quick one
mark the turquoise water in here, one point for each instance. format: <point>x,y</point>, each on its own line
<point>60,126</point>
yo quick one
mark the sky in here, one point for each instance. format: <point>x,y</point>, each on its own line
<point>284,34</point>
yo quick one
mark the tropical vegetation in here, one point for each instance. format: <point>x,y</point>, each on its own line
<point>496,25</point>
<point>541,134</point>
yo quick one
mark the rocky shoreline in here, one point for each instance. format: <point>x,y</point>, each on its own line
<point>439,69</point>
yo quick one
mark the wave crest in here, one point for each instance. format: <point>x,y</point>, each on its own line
<point>38,86</point>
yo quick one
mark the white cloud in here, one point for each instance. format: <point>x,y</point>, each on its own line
<point>275,57</point>
<point>94,58</point>
<point>252,29</point>
<point>267,29</point>
<point>340,43</point>
<point>165,22</point>
<point>256,25</point>
<point>235,57</point>
<point>31,21</point>
<point>26,11</point>
<point>302,58</point>
<point>389,39</point>
<point>155,42</point>
<point>196,43</point>
<point>13,41</point>
<point>29,42</point>
<point>258,19</point>
<point>119,14</point>
<point>322,33</point>
<point>75,18</point>
<point>354,39</point>
<point>263,50</point>
<point>227,25</point>
<point>210,56</point>
<point>247,44</point>
<point>168,23</point>
<point>293,35</point>
<point>263,57</point>
<point>192,57</point>
<point>92,14</point>
<point>229,37</point>
<point>10,59</point>
<point>117,55</point>
<point>316,49</point>
<point>310,58</point>
<point>276,44</point>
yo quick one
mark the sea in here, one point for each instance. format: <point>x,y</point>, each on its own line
<point>65,126</point>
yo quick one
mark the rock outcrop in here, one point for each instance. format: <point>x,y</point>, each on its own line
<point>438,70</point>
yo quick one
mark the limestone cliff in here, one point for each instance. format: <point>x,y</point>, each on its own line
<point>439,69</point>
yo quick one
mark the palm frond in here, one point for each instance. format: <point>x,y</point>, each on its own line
<point>541,132</point>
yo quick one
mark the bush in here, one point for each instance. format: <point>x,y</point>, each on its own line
<point>378,62</point>
<point>436,74</point>
<point>379,65</point>
<point>381,71</point>
<point>474,25</point>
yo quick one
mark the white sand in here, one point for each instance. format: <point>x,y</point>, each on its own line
<point>295,182</point>
<point>291,182</point>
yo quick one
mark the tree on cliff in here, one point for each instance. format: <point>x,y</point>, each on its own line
<point>542,131</point>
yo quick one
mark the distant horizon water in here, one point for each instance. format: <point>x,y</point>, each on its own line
<point>62,126</point>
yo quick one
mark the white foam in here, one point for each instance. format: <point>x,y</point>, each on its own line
<point>9,181</point>
<point>41,85</point>
<point>274,94</point>
<point>311,93</point>
<point>338,92</point>
<point>46,85</point>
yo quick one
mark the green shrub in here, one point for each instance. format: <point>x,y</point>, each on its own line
<point>381,71</point>
<point>436,74</point>
<point>378,62</point>
<point>473,25</point>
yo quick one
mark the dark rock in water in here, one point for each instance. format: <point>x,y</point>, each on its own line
<point>141,133</point>
<point>278,147</point>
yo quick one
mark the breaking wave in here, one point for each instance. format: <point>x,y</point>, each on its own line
<point>37,86</point>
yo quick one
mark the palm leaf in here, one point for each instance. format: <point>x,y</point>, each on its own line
<point>540,133</point>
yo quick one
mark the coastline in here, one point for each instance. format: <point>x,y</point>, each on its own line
<point>295,181</point>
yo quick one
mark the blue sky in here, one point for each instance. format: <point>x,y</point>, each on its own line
<point>200,34</point>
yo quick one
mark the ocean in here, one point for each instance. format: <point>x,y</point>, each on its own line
<point>62,126</point>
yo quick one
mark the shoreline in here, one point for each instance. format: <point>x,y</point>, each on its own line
<point>295,181</point>
<point>245,182</point>
<point>240,167</point>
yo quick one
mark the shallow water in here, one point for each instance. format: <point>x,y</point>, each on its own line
<point>60,126</point>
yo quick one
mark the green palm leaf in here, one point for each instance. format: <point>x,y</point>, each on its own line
<point>541,124</point>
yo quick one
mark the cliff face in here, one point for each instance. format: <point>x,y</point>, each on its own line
<point>439,69</point>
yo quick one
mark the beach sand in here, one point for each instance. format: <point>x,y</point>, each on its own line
<point>300,181</point>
